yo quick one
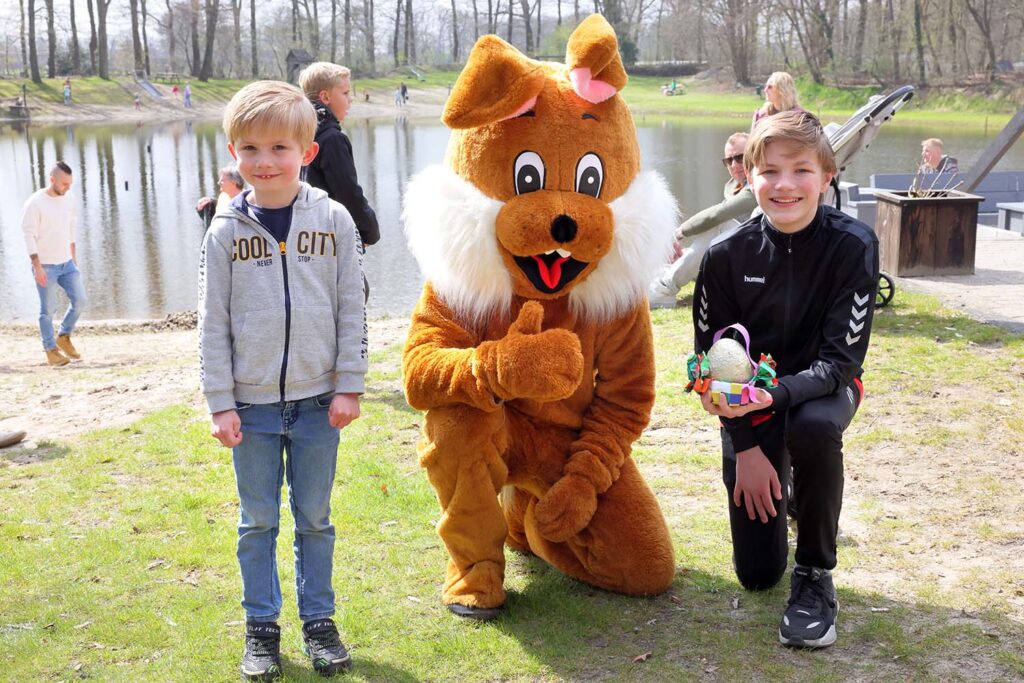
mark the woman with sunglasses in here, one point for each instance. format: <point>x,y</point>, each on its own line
<point>697,233</point>
<point>779,95</point>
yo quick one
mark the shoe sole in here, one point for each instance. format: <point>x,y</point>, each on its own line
<point>827,639</point>
<point>334,668</point>
<point>478,613</point>
<point>271,674</point>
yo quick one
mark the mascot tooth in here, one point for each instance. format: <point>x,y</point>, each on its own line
<point>530,349</point>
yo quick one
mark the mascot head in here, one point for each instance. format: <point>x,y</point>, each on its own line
<point>541,195</point>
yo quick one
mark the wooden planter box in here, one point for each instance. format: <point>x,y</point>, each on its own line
<point>927,236</point>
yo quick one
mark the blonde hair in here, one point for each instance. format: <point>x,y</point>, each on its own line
<point>798,127</point>
<point>320,76</point>
<point>932,142</point>
<point>783,84</point>
<point>270,105</point>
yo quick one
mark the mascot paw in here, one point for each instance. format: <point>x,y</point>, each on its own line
<point>566,509</point>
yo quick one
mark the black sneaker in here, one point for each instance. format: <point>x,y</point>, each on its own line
<point>261,660</point>
<point>323,645</point>
<point>810,617</point>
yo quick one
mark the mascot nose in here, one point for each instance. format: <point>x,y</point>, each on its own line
<point>563,229</point>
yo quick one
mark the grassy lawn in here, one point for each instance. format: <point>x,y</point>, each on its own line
<point>117,550</point>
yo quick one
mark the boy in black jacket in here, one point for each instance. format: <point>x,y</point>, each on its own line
<point>802,279</point>
<point>329,87</point>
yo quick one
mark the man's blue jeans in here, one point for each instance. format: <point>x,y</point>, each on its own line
<point>69,278</point>
<point>302,429</point>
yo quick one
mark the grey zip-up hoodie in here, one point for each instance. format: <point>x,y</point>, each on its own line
<point>281,322</point>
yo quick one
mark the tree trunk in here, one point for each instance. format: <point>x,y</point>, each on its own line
<point>253,54</point>
<point>981,12</point>
<point>525,6</point>
<point>510,4</point>
<point>455,34</point>
<point>51,39</point>
<point>490,16</point>
<point>194,38</point>
<point>236,38</point>
<point>334,31</point>
<point>347,34</point>
<point>398,28</point>
<point>858,41</point>
<point>371,55</point>
<point>212,7</point>
<point>145,38</point>
<point>559,13</point>
<point>894,41</point>
<point>410,33</point>
<point>22,36</point>
<point>101,37</point>
<point>536,38</point>
<point>576,10</point>
<point>133,7</point>
<point>919,43</point>
<point>476,22</point>
<point>76,51</point>
<point>33,56</point>
<point>172,41</point>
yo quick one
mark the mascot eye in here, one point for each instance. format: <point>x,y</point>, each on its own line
<point>529,172</point>
<point>589,175</point>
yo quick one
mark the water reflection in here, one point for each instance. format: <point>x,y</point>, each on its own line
<point>136,186</point>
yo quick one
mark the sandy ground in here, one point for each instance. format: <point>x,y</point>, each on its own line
<point>423,103</point>
<point>128,369</point>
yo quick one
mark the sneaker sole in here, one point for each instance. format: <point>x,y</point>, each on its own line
<point>827,639</point>
<point>334,667</point>
<point>271,674</point>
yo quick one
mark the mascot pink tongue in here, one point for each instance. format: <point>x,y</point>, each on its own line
<point>530,350</point>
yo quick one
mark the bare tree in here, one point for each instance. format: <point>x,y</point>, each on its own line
<point>253,56</point>
<point>21,34</point>
<point>919,42</point>
<point>76,51</point>
<point>524,5</point>
<point>33,56</point>
<point>133,6</point>
<point>455,34</point>
<point>347,33</point>
<point>410,34</point>
<point>51,39</point>
<point>93,41</point>
<point>236,35</point>
<point>371,56</point>
<point>102,7</point>
<point>398,25</point>
<point>981,12</point>
<point>193,35</point>
<point>476,22</point>
<point>145,36</point>
<point>168,26</point>
<point>211,8</point>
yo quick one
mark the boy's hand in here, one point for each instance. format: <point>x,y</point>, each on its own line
<point>227,428</point>
<point>756,484</point>
<point>344,408</point>
<point>723,409</point>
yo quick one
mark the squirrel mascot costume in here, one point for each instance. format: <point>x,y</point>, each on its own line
<point>530,348</point>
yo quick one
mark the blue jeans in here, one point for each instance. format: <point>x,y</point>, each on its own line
<point>269,430</point>
<point>69,278</point>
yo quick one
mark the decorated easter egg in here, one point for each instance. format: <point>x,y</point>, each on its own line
<point>728,362</point>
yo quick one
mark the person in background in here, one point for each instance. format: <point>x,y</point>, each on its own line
<point>230,182</point>
<point>67,91</point>
<point>329,87</point>
<point>698,231</point>
<point>48,223</point>
<point>934,161</point>
<point>188,95</point>
<point>779,95</point>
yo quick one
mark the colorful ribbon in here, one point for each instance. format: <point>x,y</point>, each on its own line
<point>699,374</point>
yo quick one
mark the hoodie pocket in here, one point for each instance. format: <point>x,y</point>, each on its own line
<point>259,347</point>
<point>313,349</point>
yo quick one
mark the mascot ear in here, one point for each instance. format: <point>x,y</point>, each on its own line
<point>497,83</point>
<point>592,55</point>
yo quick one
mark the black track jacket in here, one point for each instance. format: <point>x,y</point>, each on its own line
<point>334,172</point>
<point>806,298</point>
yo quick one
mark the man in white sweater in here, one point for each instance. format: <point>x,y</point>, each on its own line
<point>48,221</point>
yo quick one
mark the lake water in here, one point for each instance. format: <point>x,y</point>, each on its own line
<point>139,236</point>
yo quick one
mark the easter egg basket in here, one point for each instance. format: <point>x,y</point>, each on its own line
<point>728,371</point>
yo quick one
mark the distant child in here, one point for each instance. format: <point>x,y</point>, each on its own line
<point>282,355</point>
<point>188,95</point>
<point>802,279</point>
<point>329,87</point>
<point>138,102</point>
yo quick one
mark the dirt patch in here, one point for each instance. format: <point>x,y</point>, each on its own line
<point>128,369</point>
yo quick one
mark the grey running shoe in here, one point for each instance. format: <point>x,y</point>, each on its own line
<point>323,645</point>
<point>261,660</point>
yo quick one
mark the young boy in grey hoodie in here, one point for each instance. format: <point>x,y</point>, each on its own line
<point>282,356</point>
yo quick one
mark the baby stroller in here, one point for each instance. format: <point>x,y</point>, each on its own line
<point>855,135</point>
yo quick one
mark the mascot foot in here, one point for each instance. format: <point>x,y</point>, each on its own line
<point>478,613</point>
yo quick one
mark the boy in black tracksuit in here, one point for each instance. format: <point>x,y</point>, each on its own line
<point>802,279</point>
<point>328,86</point>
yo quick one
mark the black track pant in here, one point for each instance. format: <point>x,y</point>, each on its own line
<point>810,437</point>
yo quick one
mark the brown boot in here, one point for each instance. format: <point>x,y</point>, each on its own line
<point>67,348</point>
<point>55,357</point>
